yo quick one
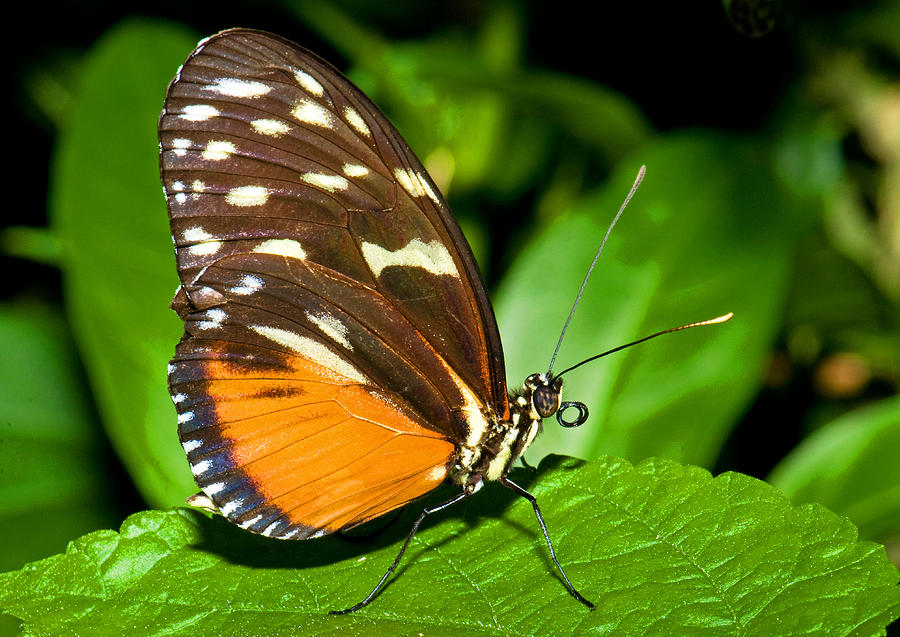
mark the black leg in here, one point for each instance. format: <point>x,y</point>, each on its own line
<point>509,484</point>
<point>409,538</point>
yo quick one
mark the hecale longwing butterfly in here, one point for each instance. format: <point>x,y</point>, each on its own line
<point>341,357</point>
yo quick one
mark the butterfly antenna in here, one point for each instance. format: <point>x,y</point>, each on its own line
<point>718,319</point>
<point>637,182</point>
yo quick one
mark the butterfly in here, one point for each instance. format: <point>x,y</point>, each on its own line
<point>340,357</point>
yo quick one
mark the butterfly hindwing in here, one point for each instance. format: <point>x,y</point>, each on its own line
<point>263,430</point>
<point>338,338</point>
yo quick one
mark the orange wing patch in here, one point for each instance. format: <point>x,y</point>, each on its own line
<point>325,455</point>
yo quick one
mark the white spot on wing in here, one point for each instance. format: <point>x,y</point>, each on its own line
<point>271,127</point>
<point>428,190</point>
<point>216,314</point>
<point>355,170</point>
<point>207,292</point>
<point>437,474</point>
<point>309,83</point>
<point>196,233</point>
<point>283,247</point>
<point>214,318</point>
<point>184,417</point>
<point>331,183</point>
<point>179,398</point>
<point>191,445</point>
<point>311,113</point>
<point>249,284</point>
<point>415,184</point>
<point>356,121</point>
<point>271,528</point>
<point>214,488</point>
<point>472,407</point>
<point>199,112</point>
<point>205,248</point>
<point>230,507</point>
<point>181,146</point>
<point>233,87</point>
<point>331,327</point>
<point>247,524</point>
<point>178,188</point>
<point>201,467</point>
<point>432,256</point>
<point>246,196</point>
<point>218,150</point>
<point>311,350</point>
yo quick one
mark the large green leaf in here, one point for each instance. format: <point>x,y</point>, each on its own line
<point>707,233</point>
<point>660,548</point>
<point>850,465</point>
<point>53,483</point>
<point>110,216</point>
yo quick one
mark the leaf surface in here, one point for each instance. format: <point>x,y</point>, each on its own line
<point>850,465</point>
<point>660,548</point>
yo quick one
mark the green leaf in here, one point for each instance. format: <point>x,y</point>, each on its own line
<point>660,548</point>
<point>841,303</point>
<point>52,481</point>
<point>27,242</point>
<point>594,114</point>
<point>110,216</point>
<point>707,233</point>
<point>850,465</point>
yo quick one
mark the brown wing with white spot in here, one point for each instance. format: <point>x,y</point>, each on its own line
<point>284,426</point>
<point>339,344</point>
<point>267,148</point>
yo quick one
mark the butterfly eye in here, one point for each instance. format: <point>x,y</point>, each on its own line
<point>579,419</point>
<point>546,400</point>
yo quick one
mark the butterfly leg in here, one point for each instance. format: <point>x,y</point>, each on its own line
<point>512,486</point>
<point>425,512</point>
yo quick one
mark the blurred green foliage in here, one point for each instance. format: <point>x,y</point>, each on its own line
<point>53,486</point>
<point>792,222</point>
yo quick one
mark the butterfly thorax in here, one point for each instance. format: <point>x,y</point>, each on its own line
<point>504,441</point>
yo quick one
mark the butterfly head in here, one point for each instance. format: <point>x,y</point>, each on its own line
<point>545,391</point>
<point>505,441</point>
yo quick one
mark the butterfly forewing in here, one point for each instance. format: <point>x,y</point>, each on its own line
<point>338,337</point>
